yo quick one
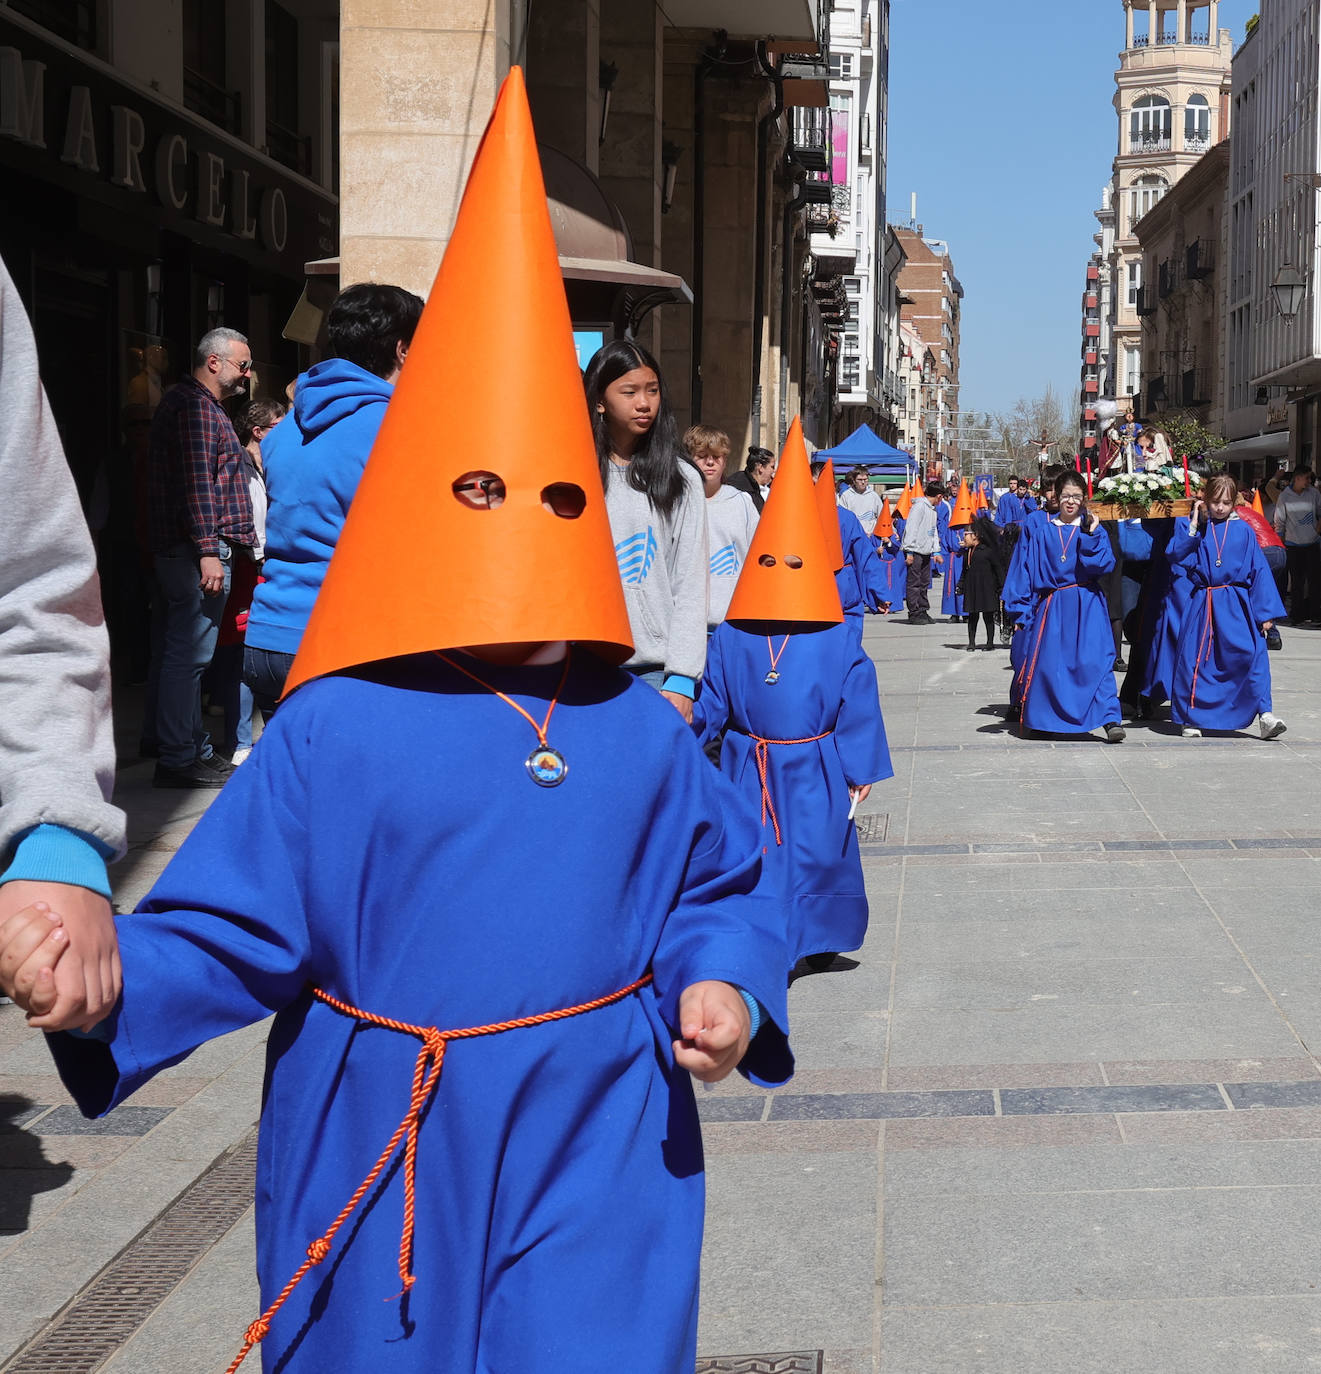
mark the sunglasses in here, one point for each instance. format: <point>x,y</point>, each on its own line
<point>244,366</point>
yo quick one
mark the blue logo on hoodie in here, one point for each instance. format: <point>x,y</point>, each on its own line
<point>635,555</point>
<point>725,562</point>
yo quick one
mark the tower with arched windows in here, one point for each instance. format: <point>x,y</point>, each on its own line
<point>1172,101</point>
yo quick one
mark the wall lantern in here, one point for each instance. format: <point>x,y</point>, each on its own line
<point>606,74</point>
<point>670,155</point>
<point>1289,288</point>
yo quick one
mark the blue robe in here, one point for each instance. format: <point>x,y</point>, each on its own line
<point>1066,665</point>
<point>894,570</point>
<point>1171,590</point>
<point>943,512</point>
<point>385,843</point>
<point>1009,510</point>
<point>951,540</point>
<point>1021,638</point>
<point>1222,674</point>
<point>860,581</point>
<point>827,685</point>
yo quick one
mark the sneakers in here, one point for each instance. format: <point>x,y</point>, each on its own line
<point>239,755</point>
<point>1115,733</point>
<point>1271,726</point>
<point>218,765</point>
<point>1191,732</point>
<point>1273,640</point>
<point>197,775</point>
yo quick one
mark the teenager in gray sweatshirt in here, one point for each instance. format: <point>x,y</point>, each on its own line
<point>731,518</point>
<point>654,501</point>
<point>57,751</point>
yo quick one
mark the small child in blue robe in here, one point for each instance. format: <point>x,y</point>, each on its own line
<point>894,571</point>
<point>1053,592</point>
<point>1221,676</point>
<point>951,543</point>
<point>869,587</point>
<point>798,748</point>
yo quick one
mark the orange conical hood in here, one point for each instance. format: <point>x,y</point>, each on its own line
<point>963,511</point>
<point>418,568</point>
<point>884,528</point>
<point>1256,503</point>
<point>827,504</point>
<point>905,502</point>
<point>979,501</point>
<point>787,578</point>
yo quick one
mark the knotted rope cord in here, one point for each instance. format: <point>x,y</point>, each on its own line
<point>1036,649</point>
<point>761,753</point>
<point>1206,639</point>
<point>426,1075</point>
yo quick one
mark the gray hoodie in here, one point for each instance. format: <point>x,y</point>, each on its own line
<point>663,566</point>
<point>57,751</point>
<point>731,521</point>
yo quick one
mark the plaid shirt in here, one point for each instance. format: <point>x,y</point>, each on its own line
<point>196,488</point>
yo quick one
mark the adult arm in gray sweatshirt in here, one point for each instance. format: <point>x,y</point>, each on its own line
<point>57,753</point>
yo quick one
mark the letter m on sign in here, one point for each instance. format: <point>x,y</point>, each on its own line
<point>22,116</point>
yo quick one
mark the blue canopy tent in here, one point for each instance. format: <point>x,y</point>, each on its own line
<point>864,448</point>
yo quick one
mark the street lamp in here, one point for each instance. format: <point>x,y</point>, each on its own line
<point>1289,286</point>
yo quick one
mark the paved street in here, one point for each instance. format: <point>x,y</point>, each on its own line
<point>1061,1113</point>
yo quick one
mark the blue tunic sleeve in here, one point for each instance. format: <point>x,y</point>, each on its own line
<point>1018,589</point>
<point>861,553</point>
<point>719,929</point>
<point>1262,590</point>
<point>192,972</point>
<point>1184,544</point>
<point>711,709</point>
<point>860,726</point>
<point>1095,556</point>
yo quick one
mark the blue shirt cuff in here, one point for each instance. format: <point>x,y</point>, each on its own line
<point>54,854</point>
<point>754,1011</point>
<point>680,686</point>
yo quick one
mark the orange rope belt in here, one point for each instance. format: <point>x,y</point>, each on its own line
<point>426,1075</point>
<point>1205,641</point>
<point>761,752</point>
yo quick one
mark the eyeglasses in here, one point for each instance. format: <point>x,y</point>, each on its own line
<point>244,366</point>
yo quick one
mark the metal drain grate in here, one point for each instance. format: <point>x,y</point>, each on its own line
<point>130,1288</point>
<point>873,829</point>
<point>803,1362</point>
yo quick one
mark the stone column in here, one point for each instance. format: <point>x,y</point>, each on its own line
<point>1213,24</point>
<point>631,39</point>
<point>417,85</point>
<point>1128,25</point>
<point>1153,24</point>
<point>1181,34</point>
<point>563,75</point>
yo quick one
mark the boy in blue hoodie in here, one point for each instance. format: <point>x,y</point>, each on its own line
<point>313,467</point>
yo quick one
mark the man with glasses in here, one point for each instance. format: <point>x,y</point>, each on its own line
<point>199,513</point>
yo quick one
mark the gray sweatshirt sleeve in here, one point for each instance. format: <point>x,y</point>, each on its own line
<point>685,653</point>
<point>57,753</point>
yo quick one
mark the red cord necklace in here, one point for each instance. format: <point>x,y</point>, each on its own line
<point>1219,543</point>
<point>1066,544</point>
<point>773,676</point>
<point>545,766</point>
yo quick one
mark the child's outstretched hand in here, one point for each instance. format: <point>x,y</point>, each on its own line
<point>715,1028</point>
<point>32,941</point>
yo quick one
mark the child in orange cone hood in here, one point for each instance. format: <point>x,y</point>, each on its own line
<point>788,683</point>
<point>468,841</point>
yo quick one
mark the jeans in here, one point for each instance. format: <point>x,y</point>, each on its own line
<point>1304,561</point>
<point>265,671</point>
<point>190,625</point>
<point>919,584</point>
<point>229,689</point>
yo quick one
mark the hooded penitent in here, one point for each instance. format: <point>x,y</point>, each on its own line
<point>827,504</point>
<point>788,578</point>
<point>430,556</point>
<point>963,509</point>
<point>884,521</point>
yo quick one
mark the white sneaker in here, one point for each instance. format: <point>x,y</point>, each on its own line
<point>1191,732</point>
<point>1271,726</point>
<point>239,755</point>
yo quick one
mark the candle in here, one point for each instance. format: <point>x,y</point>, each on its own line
<point>1089,476</point>
<point>1077,463</point>
<point>1187,483</point>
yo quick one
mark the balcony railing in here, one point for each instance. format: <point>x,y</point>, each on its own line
<point>1149,143</point>
<point>1146,301</point>
<point>1201,259</point>
<point>1196,387</point>
<point>212,102</point>
<point>809,138</point>
<point>1169,40</point>
<point>1196,143</point>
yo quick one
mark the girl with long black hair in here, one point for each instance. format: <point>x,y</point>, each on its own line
<point>657,513</point>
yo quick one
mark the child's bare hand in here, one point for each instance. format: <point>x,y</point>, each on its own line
<point>715,1028</point>
<point>32,942</point>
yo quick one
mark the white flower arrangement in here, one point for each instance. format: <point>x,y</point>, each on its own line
<point>1159,485</point>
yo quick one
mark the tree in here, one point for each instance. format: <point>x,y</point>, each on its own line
<point>1188,435</point>
<point>1036,424</point>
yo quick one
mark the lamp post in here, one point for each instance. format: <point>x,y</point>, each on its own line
<point>1289,288</point>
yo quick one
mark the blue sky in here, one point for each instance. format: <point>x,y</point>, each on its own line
<point>1001,121</point>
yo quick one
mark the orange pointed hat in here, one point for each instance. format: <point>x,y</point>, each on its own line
<point>827,503</point>
<point>884,528</point>
<point>417,567</point>
<point>979,501</point>
<point>787,579</point>
<point>905,502</point>
<point>963,512</point>
<point>1256,503</point>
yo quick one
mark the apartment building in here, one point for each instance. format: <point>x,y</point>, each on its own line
<point>933,297</point>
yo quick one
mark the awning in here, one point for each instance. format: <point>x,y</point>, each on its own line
<point>1274,445</point>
